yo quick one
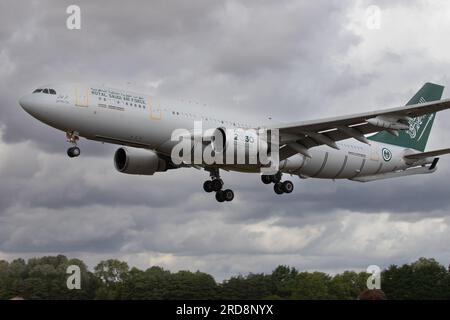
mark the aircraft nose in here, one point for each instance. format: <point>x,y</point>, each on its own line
<point>26,102</point>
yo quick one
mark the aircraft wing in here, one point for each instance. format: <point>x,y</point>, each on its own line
<point>299,137</point>
<point>429,154</point>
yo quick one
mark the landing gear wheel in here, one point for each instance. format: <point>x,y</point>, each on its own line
<point>208,186</point>
<point>276,178</point>
<point>73,152</point>
<point>287,186</point>
<point>278,188</point>
<point>216,184</point>
<point>266,179</point>
<point>228,194</point>
<point>220,196</point>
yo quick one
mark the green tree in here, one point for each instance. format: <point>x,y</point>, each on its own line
<point>252,287</point>
<point>283,278</point>
<point>112,273</point>
<point>45,278</point>
<point>189,285</point>
<point>347,285</point>
<point>149,284</point>
<point>423,279</point>
<point>311,286</point>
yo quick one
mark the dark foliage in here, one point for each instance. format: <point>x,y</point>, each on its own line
<point>45,278</point>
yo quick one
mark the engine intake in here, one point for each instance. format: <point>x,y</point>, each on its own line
<point>138,161</point>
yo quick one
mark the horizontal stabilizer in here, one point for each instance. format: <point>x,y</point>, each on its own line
<point>397,174</point>
<point>429,154</point>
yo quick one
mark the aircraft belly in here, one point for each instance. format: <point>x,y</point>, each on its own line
<point>371,167</point>
<point>354,165</point>
<point>327,163</point>
<point>243,168</point>
<point>332,168</point>
<point>314,165</point>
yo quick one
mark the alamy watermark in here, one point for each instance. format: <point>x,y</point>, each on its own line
<point>227,146</point>
<point>74,280</point>
<point>374,280</point>
<point>73,21</point>
<point>373,17</point>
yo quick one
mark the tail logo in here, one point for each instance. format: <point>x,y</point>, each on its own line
<point>416,123</point>
<point>387,154</point>
<point>414,126</point>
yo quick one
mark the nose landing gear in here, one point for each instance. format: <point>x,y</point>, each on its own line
<point>74,151</point>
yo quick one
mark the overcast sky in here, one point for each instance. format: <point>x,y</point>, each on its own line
<point>290,60</point>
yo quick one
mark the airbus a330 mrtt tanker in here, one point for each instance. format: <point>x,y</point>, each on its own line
<point>360,147</point>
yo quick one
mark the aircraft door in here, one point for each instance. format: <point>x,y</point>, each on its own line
<point>81,96</point>
<point>154,108</point>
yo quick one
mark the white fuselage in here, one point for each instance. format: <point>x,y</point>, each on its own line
<point>138,120</point>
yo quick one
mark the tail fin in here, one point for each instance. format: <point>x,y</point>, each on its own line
<point>416,136</point>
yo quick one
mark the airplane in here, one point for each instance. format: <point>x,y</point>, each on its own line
<point>360,147</point>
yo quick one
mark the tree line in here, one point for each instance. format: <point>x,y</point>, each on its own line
<point>46,277</point>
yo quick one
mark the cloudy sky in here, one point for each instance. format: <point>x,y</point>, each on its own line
<point>290,60</point>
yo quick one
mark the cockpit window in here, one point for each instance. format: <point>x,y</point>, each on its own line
<point>46,90</point>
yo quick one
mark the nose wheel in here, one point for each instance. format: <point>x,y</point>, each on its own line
<point>74,151</point>
<point>216,185</point>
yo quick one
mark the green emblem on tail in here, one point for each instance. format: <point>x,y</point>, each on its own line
<point>416,136</point>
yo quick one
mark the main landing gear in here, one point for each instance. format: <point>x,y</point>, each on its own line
<point>73,151</point>
<point>216,185</point>
<point>279,186</point>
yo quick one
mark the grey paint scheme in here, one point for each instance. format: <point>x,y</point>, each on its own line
<point>151,128</point>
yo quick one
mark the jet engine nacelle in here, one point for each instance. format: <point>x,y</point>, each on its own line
<point>138,161</point>
<point>238,142</point>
